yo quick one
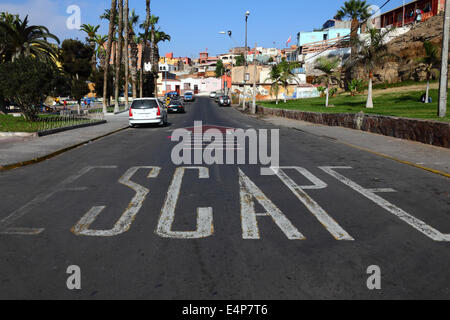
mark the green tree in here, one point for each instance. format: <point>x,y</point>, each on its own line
<point>91,38</point>
<point>328,66</point>
<point>76,59</point>
<point>371,52</point>
<point>21,39</point>
<point>287,76</point>
<point>240,60</point>
<point>25,81</point>
<point>432,62</point>
<point>220,69</point>
<point>274,78</point>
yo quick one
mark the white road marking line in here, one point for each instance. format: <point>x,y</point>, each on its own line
<point>250,230</point>
<point>129,215</point>
<point>328,222</point>
<point>22,211</point>
<point>404,216</point>
<point>204,215</point>
<point>381,190</point>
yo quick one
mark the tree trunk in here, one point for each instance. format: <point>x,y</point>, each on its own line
<point>94,56</point>
<point>119,49</point>
<point>127,62</point>
<point>427,94</point>
<point>141,81</point>
<point>134,77</point>
<point>369,103</point>
<point>108,54</point>
<point>354,34</point>
<point>154,62</point>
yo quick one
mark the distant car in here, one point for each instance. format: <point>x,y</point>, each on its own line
<point>172,94</point>
<point>189,97</point>
<point>176,107</point>
<point>213,94</point>
<point>224,101</point>
<point>147,111</point>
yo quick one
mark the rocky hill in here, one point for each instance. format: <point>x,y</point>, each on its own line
<point>409,47</point>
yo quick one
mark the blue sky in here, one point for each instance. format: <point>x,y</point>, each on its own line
<point>195,25</point>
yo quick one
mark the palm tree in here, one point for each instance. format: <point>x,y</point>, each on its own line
<point>100,51</point>
<point>274,78</point>
<point>432,62</point>
<point>22,39</point>
<point>119,50</point>
<point>357,10</point>
<point>328,66</point>
<point>372,52</point>
<point>108,53</point>
<point>159,36</point>
<point>132,22</point>
<point>287,77</point>
<point>91,32</point>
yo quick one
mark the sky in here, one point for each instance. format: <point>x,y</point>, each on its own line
<point>195,25</point>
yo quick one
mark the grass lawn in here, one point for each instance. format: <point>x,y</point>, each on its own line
<point>399,104</point>
<point>8,123</point>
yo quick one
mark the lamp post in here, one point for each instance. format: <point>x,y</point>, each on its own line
<point>229,33</point>
<point>247,14</point>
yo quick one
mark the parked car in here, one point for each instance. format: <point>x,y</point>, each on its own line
<point>172,94</point>
<point>147,111</point>
<point>213,94</point>
<point>224,101</point>
<point>189,97</point>
<point>176,107</point>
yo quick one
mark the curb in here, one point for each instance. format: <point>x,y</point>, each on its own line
<point>56,153</point>
<point>441,173</point>
<point>18,134</point>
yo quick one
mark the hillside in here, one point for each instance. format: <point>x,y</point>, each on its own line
<point>409,47</point>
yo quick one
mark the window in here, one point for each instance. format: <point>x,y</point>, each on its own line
<point>427,8</point>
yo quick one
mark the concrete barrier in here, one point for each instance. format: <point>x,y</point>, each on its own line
<point>430,132</point>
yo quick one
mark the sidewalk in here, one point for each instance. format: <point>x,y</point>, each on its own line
<point>416,153</point>
<point>15,150</point>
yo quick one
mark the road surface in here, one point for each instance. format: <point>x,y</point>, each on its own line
<point>121,211</point>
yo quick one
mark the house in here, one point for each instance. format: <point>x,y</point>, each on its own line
<point>406,14</point>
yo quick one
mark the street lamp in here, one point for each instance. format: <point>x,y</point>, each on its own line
<point>229,33</point>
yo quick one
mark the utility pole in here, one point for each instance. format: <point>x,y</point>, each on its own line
<point>255,73</point>
<point>245,58</point>
<point>403,20</point>
<point>443,84</point>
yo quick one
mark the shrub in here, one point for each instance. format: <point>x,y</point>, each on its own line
<point>26,82</point>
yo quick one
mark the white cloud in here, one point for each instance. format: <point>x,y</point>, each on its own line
<point>49,13</point>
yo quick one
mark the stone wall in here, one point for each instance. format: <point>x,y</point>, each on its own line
<point>429,132</point>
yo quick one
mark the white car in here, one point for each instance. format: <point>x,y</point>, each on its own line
<point>213,94</point>
<point>147,111</point>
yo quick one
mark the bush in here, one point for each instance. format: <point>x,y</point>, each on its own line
<point>356,86</point>
<point>26,82</point>
<point>322,91</point>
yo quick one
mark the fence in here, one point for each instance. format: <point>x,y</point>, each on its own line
<point>335,43</point>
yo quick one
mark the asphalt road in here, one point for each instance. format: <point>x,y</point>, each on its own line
<point>323,233</point>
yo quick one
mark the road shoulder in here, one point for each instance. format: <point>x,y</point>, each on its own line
<point>421,155</point>
<point>20,152</point>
